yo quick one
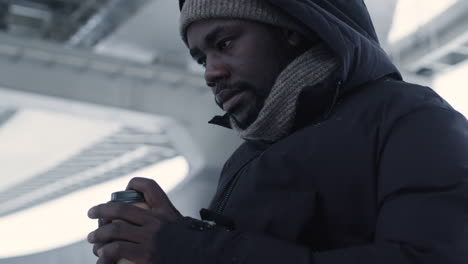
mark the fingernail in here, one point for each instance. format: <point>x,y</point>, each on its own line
<point>91,212</point>
<point>91,237</point>
<point>99,252</point>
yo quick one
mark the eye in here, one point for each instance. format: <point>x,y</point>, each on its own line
<point>202,62</point>
<point>224,44</point>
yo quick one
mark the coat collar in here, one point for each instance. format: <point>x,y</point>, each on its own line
<point>346,28</point>
<point>314,105</point>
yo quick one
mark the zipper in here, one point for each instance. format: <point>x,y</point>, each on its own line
<point>225,198</point>
<point>215,217</point>
<point>229,187</point>
<point>227,194</point>
<point>338,87</point>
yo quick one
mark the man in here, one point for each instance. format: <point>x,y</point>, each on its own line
<point>343,162</point>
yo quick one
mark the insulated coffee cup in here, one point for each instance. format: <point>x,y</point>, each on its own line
<point>132,197</point>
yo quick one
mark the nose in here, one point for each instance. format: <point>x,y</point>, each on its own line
<point>215,71</point>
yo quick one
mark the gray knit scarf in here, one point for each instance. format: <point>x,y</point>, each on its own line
<point>276,118</point>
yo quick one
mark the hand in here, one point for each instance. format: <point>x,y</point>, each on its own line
<point>133,236</point>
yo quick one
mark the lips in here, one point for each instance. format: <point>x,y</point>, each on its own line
<point>225,98</point>
<point>224,95</point>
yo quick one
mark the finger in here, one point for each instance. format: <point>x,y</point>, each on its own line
<point>112,252</point>
<point>103,221</point>
<point>120,231</point>
<point>153,193</point>
<point>122,211</point>
<point>96,247</point>
<point>105,261</point>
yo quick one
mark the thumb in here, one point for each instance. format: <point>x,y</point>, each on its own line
<point>154,195</point>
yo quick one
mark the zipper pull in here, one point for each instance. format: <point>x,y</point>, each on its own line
<point>219,219</point>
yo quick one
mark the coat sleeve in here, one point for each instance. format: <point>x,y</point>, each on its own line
<point>422,193</point>
<point>422,214</point>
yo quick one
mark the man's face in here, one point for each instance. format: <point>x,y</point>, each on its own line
<point>242,60</point>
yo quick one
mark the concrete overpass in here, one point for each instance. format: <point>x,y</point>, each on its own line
<point>437,46</point>
<point>52,77</point>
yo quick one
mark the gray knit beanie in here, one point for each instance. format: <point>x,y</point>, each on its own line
<point>253,10</point>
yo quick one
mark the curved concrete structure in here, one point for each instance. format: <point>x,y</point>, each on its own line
<point>165,89</point>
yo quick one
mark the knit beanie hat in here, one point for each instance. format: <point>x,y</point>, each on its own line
<point>253,10</point>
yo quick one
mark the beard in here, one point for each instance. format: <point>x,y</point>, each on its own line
<point>248,114</point>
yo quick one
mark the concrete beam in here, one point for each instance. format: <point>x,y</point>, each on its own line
<point>434,41</point>
<point>51,70</point>
<point>6,114</point>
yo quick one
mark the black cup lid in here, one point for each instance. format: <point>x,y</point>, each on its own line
<point>129,196</point>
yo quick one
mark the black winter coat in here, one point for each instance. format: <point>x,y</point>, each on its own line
<point>376,170</point>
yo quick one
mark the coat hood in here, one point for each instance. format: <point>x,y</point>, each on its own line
<point>346,28</point>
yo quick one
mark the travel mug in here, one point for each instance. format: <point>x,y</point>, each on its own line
<point>132,197</point>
